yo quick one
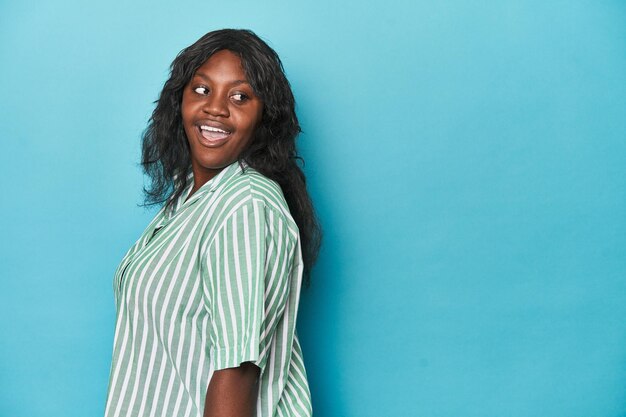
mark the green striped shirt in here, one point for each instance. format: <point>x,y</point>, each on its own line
<point>211,283</point>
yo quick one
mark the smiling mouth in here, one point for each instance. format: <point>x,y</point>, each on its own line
<point>213,135</point>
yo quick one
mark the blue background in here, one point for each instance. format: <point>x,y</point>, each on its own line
<point>467,159</point>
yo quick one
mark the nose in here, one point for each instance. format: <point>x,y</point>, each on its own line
<point>216,105</point>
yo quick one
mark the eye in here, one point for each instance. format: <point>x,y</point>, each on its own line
<point>201,90</point>
<point>239,97</point>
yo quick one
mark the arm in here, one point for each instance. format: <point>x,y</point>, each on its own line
<point>245,290</point>
<point>232,392</point>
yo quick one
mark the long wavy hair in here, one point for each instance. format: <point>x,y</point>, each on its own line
<point>272,150</point>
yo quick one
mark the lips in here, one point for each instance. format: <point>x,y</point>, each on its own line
<point>213,133</point>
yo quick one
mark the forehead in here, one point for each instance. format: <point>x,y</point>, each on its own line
<point>222,65</point>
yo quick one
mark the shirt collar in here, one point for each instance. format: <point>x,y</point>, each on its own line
<point>210,186</point>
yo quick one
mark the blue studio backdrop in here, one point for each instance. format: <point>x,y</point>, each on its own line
<point>467,160</point>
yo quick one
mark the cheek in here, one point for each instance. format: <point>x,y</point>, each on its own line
<point>187,106</point>
<point>187,130</point>
<point>187,123</point>
<point>255,119</point>
<point>184,110</point>
<point>249,123</point>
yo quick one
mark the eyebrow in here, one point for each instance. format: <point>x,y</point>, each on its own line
<point>205,77</point>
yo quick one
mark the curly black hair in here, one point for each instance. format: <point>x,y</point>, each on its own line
<point>272,150</point>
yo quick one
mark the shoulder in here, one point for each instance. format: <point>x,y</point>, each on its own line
<point>248,188</point>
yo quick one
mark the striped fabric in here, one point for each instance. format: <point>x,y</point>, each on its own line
<point>210,284</point>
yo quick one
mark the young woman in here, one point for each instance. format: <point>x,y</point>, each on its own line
<point>207,297</point>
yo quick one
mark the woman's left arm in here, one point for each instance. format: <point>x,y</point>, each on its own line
<point>246,287</point>
<point>232,392</point>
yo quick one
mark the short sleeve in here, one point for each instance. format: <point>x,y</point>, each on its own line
<point>246,284</point>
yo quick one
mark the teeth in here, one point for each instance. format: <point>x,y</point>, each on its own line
<point>212,129</point>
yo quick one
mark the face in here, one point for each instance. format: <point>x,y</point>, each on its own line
<point>220,113</point>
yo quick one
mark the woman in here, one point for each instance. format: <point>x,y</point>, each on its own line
<point>207,297</point>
